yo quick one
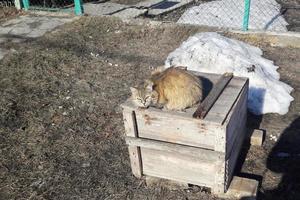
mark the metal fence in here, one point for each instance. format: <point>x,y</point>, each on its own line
<point>237,14</point>
<point>7,3</point>
<point>231,14</point>
<point>53,5</point>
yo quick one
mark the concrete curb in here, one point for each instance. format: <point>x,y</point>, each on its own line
<point>284,39</point>
<point>277,39</point>
<point>51,14</point>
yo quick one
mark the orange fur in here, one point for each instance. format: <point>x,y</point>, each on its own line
<point>176,88</point>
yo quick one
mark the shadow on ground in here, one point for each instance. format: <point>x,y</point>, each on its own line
<point>285,158</point>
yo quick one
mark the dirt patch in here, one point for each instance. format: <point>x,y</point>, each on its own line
<point>61,130</point>
<point>7,13</point>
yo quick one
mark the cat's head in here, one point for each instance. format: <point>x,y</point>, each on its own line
<point>142,94</point>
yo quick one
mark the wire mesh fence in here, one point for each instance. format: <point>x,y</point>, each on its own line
<point>237,14</point>
<point>49,5</point>
<point>7,3</point>
<point>52,3</point>
<point>231,14</point>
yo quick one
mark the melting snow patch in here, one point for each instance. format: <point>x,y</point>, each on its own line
<point>213,53</point>
<point>264,15</point>
<point>273,137</point>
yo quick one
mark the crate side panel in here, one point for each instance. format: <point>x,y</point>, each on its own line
<point>236,132</point>
<point>233,158</point>
<point>180,130</point>
<point>178,167</point>
<point>237,117</point>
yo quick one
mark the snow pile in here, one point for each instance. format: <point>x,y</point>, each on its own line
<point>213,53</point>
<point>264,15</point>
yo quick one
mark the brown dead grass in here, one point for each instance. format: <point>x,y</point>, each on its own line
<point>61,130</point>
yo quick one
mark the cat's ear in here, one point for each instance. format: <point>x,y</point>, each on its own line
<point>133,90</point>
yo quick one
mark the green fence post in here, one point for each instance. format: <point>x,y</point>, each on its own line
<point>78,7</point>
<point>26,4</point>
<point>246,15</point>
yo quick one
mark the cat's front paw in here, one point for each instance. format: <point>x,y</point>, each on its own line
<point>158,106</point>
<point>142,108</point>
<point>182,111</point>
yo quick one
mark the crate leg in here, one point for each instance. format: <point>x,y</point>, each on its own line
<point>135,160</point>
<point>256,136</point>
<point>241,188</point>
<point>220,179</point>
<point>134,151</point>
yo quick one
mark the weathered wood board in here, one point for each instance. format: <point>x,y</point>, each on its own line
<point>175,146</point>
<point>241,188</point>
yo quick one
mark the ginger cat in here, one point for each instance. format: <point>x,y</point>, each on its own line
<point>173,89</point>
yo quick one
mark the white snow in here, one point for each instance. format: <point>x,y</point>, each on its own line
<point>213,53</point>
<point>264,15</point>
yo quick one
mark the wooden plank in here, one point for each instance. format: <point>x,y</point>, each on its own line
<point>165,127</point>
<point>200,154</point>
<point>134,151</point>
<point>220,110</point>
<point>209,101</point>
<point>241,188</point>
<point>236,109</point>
<point>257,137</point>
<point>178,167</point>
<point>168,113</point>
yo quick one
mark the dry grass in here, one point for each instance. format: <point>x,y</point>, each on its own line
<point>61,131</point>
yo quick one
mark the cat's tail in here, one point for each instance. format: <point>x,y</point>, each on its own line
<point>158,70</point>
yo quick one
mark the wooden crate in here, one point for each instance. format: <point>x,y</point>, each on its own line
<point>175,146</point>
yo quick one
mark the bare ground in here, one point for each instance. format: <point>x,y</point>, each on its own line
<point>61,131</point>
<point>7,13</point>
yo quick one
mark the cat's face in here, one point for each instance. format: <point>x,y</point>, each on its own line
<point>141,95</point>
